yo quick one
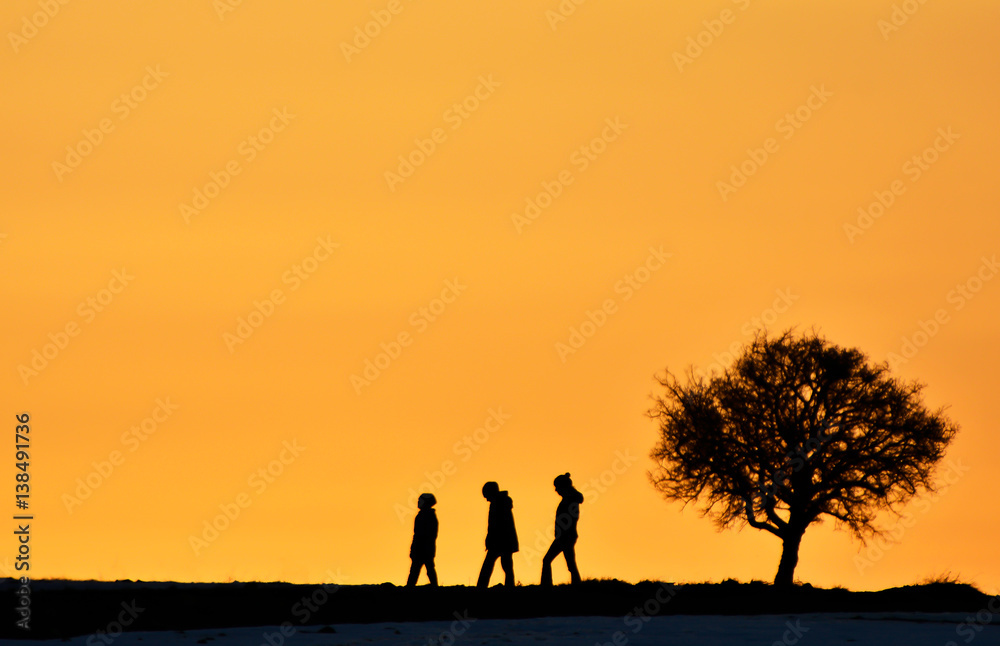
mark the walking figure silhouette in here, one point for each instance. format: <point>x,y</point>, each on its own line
<point>567,516</point>
<point>425,531</point>
<point>501,536</point>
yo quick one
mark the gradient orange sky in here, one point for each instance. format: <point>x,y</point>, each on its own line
<point>296,133</point>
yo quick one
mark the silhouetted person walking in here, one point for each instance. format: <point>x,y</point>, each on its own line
<point>501,536</point>
<point>425,531</point>
<point>567,515</point>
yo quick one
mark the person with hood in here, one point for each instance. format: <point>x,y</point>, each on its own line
<point>567,515</point>
<point>501,536</point>
<point>425,531</point>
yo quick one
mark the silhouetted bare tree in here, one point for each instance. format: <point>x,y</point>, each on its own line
<point>796,428</point>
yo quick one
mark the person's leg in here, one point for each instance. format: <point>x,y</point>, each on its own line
<point>569,551</point>
<point>507,563</point>
<point>487,571</point>
<point>414,573</point>
<point>431,572</point>
<point>553,552</point>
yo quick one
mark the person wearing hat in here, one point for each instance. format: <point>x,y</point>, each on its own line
<point>567,515</point>
<point>501,536</point>
<point>425,531</point>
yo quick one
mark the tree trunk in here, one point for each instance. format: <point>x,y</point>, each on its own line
<point>789,558</point>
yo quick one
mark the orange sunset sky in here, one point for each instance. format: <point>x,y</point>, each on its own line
<point>216,214</point>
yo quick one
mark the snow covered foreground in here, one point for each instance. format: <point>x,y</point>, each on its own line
<point>910,629</point>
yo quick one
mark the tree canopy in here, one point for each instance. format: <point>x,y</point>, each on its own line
<point>796,429</point>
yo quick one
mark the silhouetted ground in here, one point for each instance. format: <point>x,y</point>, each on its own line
<point>68,608</point>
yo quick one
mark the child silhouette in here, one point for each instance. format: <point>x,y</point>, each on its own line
<point>501,536</point>
<point>567,515</point>
<point>425,531</point>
